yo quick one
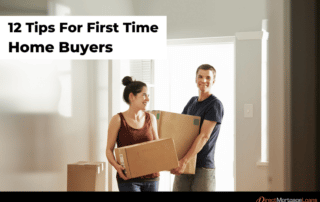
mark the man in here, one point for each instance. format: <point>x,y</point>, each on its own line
<point>210,109</point>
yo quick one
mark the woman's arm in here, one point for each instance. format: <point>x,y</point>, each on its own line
<point>113,129</point>
<point>154,126</point>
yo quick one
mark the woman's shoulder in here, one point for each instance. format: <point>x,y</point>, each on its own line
<point>152,116</point>
<point>116,118</point>
<point>115,123</point>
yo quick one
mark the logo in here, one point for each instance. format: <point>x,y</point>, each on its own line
<point>263,199</point>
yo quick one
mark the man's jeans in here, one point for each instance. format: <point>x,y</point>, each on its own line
<point>203,180</point>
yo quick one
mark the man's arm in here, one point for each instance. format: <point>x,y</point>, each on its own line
<point>206,130</point>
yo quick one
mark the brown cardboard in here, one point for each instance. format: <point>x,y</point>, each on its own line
<point>148,157</point>
<point>86,176</point>
<point>183,129</point>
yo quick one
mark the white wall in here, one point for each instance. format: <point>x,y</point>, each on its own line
<point>249,175</point>
<point>279,96</point>
<point>205,18</point>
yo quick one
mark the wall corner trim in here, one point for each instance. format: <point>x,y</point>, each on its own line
<point>249,35</point>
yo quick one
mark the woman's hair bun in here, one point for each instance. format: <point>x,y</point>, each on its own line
<point>127,80</point>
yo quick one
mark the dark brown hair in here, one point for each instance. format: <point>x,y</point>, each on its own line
<point>134,87</point>
<point>207,67</point>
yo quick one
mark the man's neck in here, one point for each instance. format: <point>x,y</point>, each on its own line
<point>203,96</point>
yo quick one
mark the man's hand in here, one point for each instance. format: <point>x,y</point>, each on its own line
<point>182,164</point>
<point>206,130</point>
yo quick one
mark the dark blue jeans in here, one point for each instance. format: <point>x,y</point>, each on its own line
<point>151,186</point>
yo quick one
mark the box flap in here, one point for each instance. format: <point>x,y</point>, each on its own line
<point>99,166</point>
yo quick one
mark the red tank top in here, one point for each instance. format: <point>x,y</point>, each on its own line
<point>128,136</point>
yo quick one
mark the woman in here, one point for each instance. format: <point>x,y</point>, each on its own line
<point>131,127</point>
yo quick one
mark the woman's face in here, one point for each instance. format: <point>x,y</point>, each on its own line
<point>141,100</point>
<point>205,79</point>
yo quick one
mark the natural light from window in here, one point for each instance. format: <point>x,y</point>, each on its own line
<point>174,85</point>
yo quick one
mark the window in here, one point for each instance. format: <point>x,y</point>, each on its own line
<point>142,70</point>
<point>174,84</point>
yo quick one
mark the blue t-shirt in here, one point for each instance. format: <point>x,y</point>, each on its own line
<point>209,109</point>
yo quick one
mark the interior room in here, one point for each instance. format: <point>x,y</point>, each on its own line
<point>56,112</point>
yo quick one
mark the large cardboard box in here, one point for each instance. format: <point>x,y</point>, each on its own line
<point>148,157</point>
<point>183,129</point>
<point>86,176</point>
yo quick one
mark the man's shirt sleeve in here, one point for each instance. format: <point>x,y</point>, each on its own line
<point>215,112</point>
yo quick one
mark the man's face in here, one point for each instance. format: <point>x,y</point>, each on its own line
<point>205,79</point>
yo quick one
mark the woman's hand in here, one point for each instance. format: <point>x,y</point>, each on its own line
<point>120,170</point>
<point>113,129</point>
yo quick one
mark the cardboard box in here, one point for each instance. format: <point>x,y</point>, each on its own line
<point>86,176</point>
<point>183,129</point>
<point>148,157</point>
